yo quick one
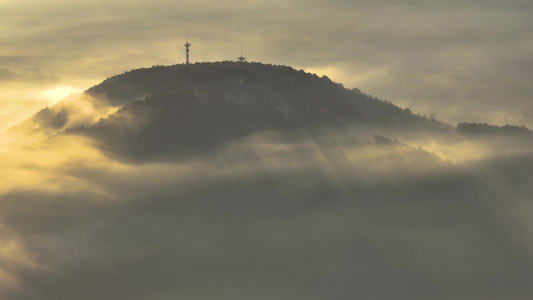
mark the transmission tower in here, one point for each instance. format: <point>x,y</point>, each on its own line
<point>187,45</point>
<point>241,58</point>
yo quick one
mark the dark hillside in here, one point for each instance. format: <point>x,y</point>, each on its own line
<point>169,109</point>
<point>191,107</point>
<point>295,94</point>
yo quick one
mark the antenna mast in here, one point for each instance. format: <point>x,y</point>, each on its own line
<point>187,45</point>
<point>241,58</point>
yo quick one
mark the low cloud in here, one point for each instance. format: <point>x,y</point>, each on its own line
<point>78,109</point>
<point>284,214</point>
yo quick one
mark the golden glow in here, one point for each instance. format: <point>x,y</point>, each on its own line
<point>17,103</point>
<point>51,165</point>
<point>459,153</point>
<point>347,78</point>
<point>56,93</point>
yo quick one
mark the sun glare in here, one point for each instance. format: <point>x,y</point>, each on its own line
<point>56,93</point>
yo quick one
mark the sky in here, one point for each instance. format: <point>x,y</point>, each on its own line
<point>457,60</point>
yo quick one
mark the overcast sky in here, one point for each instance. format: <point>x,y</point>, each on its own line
<point>466,60</point>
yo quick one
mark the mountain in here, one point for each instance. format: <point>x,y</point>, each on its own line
<point>198,106</point>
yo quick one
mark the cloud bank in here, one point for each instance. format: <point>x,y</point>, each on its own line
<point>278,214</point>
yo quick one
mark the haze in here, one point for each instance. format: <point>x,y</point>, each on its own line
<point>459,60</point>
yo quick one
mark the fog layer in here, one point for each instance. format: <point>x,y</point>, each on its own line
<point>294,214</point>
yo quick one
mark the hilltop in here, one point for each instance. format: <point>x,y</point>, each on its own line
<point>294,95</point>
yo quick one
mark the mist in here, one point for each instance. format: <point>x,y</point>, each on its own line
<point>310,213</point>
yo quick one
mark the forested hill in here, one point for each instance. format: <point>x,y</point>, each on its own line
<point>165,109</point>
<point>294,95</point>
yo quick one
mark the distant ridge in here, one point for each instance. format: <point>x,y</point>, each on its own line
<point>487,129</point>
